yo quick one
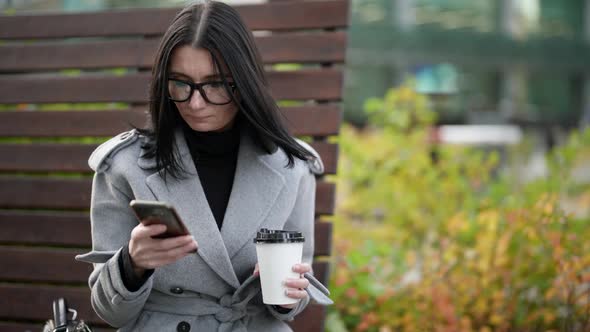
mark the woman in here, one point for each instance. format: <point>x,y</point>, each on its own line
<point>217,151</point>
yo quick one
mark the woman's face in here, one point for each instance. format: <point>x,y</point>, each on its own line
<point>195,65</point>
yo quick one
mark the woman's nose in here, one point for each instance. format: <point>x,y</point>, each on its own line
<point>197,101</point>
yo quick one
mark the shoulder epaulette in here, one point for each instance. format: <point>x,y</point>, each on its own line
<point>109,148</point>
<point>315,165</point>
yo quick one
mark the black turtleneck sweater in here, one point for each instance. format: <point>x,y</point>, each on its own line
<point>215,155</point>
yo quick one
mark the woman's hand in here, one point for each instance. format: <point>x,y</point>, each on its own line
<point>296,286</point>
<point>149,253</point>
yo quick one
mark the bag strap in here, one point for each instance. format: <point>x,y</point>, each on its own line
<point>60,312</point>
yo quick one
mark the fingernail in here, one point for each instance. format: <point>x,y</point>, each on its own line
<point>287,292</point>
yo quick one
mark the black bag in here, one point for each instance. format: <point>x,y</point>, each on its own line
<point>60,321</point>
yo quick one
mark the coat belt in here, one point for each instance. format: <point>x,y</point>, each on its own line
<point>229,310</point>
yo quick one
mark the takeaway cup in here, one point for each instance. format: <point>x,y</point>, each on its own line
<point>277,252</point>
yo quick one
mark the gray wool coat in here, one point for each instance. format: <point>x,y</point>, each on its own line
<point>213,289</point>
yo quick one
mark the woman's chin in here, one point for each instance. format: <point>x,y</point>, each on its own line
<point>201,128</point>
<point>206,127</point>
<point>201,124</point>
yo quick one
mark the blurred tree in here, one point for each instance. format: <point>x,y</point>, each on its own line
<point>527,55</point>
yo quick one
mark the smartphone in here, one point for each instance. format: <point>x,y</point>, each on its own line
<point>154,212</point>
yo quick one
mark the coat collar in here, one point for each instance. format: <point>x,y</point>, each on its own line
<point>255,189</point>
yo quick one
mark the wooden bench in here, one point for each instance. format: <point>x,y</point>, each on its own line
<point>69,81</point>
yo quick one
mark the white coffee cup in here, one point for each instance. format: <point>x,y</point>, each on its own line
<point>277,252</point>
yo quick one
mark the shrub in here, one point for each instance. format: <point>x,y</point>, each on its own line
<point>439,238</point>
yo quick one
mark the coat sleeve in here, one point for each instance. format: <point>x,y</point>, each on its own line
<point>112,222</point>
<point>301,218</point>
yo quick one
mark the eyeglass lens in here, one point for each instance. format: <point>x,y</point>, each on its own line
<point>214,92</point>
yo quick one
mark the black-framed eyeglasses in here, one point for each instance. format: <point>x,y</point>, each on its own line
<point>214,92</point>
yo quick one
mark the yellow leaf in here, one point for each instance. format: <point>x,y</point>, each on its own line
<point>548,317</point>
<point>496,319</point>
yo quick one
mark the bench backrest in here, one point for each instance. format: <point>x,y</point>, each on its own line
<point>69,81</point>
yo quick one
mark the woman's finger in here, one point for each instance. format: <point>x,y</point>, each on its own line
<point>300,283</point>
<point>173,242</point>
<point>296,293</point>
<point>302,268</point>
<point>143,231</point>
<point>161,258</point>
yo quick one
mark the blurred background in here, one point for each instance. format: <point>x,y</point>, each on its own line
<point>464,173</point>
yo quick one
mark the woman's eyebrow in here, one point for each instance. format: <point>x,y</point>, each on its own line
<point>175,73</point>
<point>216,76</point>
<point>213,76</point>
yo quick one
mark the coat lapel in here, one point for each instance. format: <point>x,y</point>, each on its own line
<point>188,197</point>
<point>255,190</point>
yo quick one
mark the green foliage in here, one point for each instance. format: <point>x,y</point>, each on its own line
<point>437,238</point>
<point>286,66</point>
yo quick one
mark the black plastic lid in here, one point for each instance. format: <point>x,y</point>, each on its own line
<point>265,235</point>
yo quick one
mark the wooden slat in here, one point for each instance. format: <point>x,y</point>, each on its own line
<point>323,238</point>
<point>26,227</point>
<point>313,120</point>
<point>43,264</point>
<point>20,327</point>
<point>32,302</point>
<point>31,327</point>
<point>44,193</point>
<point>70,124</point>
<point>51,193</point>
<point>324,84</point>
<point>84,55</point>
<point>325,198</point>
<point>89,88</point>
<point>311,319</point>
<point>304,48</point>
<point>58,265</point>
<point>321,120</point>
<point>290,15</point>
<point>74,157</point>
<point>45,157</point>
<point>29,227</point>
<point>298,48</point>
<point>321,84</point>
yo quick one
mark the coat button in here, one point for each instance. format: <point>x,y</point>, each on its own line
<point>183,327</point>
<point>176,290</point>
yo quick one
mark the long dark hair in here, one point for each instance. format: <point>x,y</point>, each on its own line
<point>217,27</point>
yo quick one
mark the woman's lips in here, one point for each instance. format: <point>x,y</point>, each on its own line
<point>199,117</point>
